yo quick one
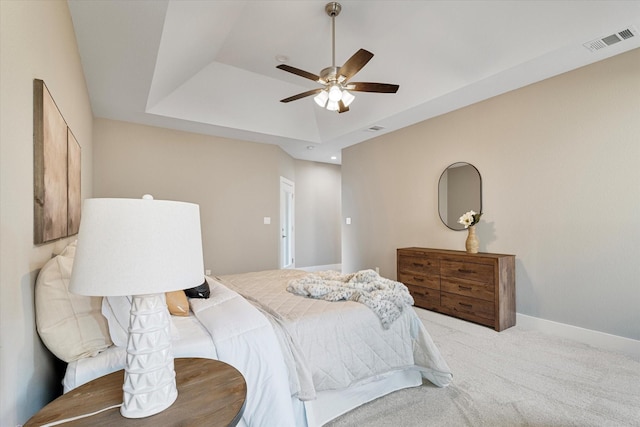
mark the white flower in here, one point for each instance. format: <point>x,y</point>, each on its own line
<point>469,218</point>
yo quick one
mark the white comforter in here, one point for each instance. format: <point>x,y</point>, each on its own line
<point>236,333</point>
<point>244,338</point>
<point>331,345</point>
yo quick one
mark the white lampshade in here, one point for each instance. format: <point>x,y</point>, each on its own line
<point>321,98</point>
<point>335,94</point>
<point>332,105</point>
<point>144,248</point>
<point>347,98</point>
<point>137,247</point>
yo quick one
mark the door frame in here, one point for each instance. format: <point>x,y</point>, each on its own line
<point>287,221</point>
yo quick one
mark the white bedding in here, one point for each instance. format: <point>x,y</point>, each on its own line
<point>288,348</point>
<point>238,335</point>
<point>245,339</point>
<point>336,344</point>
<point>193,341</point>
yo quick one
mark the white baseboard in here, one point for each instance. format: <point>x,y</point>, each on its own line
<point>336,267</point>
<point>627,346</point>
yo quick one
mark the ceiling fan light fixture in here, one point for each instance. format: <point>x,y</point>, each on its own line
<point>321,98</point>
<point>332,105</point>
<point>335,93</point>
<point>347,98</point>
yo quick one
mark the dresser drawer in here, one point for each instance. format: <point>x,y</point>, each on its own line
<point>419,265</point>
<point>476,310</point>
<point>467,270</point>
<point>417,280</point>
<point>425,297</point>
<point>469,288</point>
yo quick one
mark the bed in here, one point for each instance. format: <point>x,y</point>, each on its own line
<point>305,361</point>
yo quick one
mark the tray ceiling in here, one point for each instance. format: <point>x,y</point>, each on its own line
<point>210,66</point>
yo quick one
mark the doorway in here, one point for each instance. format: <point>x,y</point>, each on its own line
<point>287,215</point>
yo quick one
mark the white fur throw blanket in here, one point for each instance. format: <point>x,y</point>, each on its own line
<point>385,297</point>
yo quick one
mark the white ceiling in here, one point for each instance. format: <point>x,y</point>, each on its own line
<point>210,66</point>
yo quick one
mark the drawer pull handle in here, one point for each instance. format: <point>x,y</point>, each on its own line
<point>465,305</point>
<point>464,288</point>
<point>417,264</point>
<point>462,270</point>
<point>418,279</point>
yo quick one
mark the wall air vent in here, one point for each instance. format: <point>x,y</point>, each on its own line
<point>375,128</point>
<point>604,42</point>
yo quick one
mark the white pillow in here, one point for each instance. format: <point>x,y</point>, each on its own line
<point>70,325</point>
<point>117,311</point>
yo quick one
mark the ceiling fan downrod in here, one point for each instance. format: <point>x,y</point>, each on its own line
<point>333,9</point>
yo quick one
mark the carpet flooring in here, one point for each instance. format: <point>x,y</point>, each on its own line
<point>512,378</point>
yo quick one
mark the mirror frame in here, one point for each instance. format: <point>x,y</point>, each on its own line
<point>457,164</point>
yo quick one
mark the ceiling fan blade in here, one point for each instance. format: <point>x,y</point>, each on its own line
<point>299,72</point>
<point>301,95</point>
<point>373,87</point>
<point>355,63</point>
<point>342,108</point>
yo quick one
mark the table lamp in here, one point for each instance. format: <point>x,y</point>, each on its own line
<point>143,248</point>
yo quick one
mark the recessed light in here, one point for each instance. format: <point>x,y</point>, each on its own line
<point>310,147</point>
<point>282,58</point>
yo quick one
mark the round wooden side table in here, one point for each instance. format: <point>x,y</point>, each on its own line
<point>210,392</point>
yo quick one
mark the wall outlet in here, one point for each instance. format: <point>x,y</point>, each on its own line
<point>207,272</point>
<point>378,270</point>
<point>266,220</point>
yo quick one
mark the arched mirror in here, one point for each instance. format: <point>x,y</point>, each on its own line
<point>459,191</point>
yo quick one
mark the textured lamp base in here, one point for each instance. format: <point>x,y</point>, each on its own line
<point>149,378</point>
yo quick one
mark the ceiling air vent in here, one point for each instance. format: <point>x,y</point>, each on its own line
<point>375,128</point>
<point>603,42</point>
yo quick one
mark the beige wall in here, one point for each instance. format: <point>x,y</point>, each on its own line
<point>318,210</point>
<point>36,41</point>
<point>561,191</point>
<point>236,183</point>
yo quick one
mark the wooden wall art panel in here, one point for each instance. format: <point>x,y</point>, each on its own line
<point>56,170</point>
<point>74,199</point>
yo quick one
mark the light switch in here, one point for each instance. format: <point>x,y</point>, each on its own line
<point>267,220</point>
<point>348,221</point>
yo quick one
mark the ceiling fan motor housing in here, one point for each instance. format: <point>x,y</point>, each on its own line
<point>333,8</point>
<point>329,75</point>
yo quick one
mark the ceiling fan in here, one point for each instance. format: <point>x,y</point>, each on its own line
<point>335,95</point>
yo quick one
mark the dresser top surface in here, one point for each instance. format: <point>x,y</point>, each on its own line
<point>454,252</point>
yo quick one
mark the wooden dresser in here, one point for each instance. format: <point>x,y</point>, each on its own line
<point>476,287</point>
